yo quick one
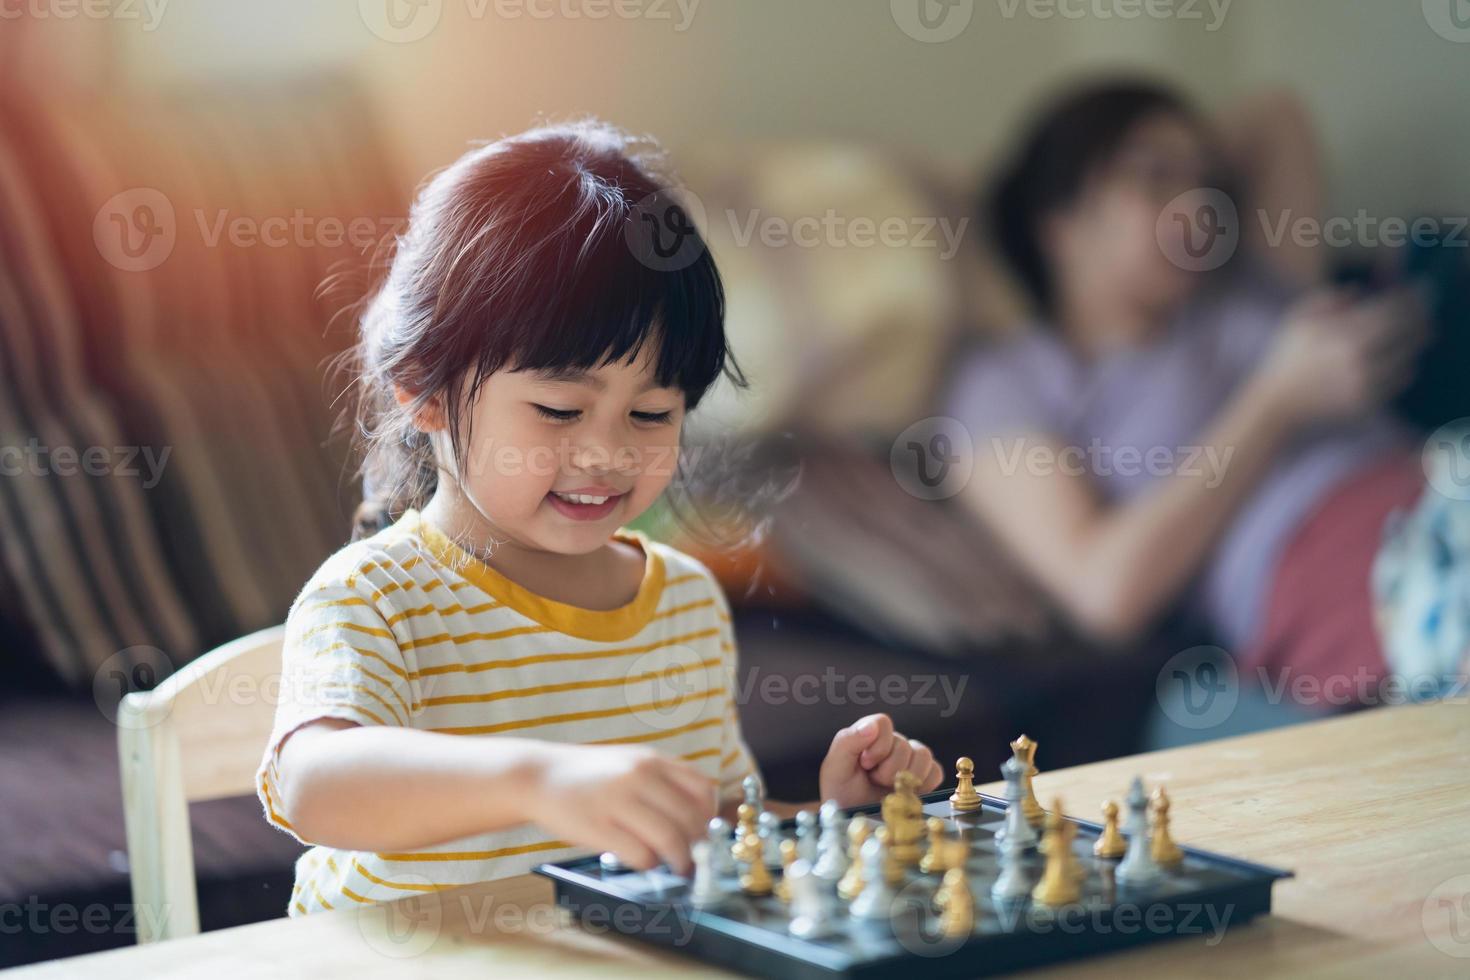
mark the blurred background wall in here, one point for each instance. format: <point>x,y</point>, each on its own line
<point>761,70</point>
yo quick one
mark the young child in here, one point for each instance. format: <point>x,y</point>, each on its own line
<point>503,676</point>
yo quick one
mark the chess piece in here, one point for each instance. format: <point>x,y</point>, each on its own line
<point>754,798</point>
<point>745,830</point>
<point>1110,843</point>
<point>718,836</point>
<point>745,821</point>
<point>1014,882</point>
<point>965,799</point>
<point>903,815</point>
<point>1025,753</point>
<point>893,868</point>
<point>757,878</point>
<point>706,890</point>
<point>936,859</point>
<point>876,899</point>
<point>811,907</point>
<point>1164,851</point>
<point>957,910</point>
<point>806,835</point>
<point>859,829</point>
<point>1138,866</point>
<point>612,864</point>
<point>1058,884</point>
<point>1137,802</point>
<point>832,844</point>
<point>788,858</point>
<point>769,830</point>
<point>1016,827</point>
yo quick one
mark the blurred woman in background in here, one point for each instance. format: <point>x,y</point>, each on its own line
<point>1166,432</point>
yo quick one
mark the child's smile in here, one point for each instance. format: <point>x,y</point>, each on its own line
<point>585,503</point>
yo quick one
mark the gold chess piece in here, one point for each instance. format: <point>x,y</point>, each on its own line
<point>1110,844</point>
<point>1025,750</point>
<point>892,866</point>
<point>956,904</point>
<point>788,858</point>
<point>965,799</point>
<point>936,859</point>
<point>859,829</point>
<point>903,815</point>
<point>1165,851</point>
<point>757,879</point>
<point>1059,884</point>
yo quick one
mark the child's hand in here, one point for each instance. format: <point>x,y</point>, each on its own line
<point>864,759</point>
<point>645,807</point>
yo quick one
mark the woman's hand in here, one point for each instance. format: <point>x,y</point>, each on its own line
<point>645,807</point>
<point>864,759</point>
<point>1337,358</point>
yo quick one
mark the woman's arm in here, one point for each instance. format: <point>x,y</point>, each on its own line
<point>1272,146</point>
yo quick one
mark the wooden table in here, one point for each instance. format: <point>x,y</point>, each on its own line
<point>1372,811</point>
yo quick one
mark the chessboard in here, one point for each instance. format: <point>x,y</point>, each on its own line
<point>988,897</point>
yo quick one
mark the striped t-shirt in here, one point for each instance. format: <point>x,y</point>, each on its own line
<point>405,628</point>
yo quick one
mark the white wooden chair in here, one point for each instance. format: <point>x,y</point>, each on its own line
<point>199,735</point>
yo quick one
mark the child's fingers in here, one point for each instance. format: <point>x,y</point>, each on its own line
<point>921,762</point>
<point>692,783</point>
<point>627,846</point>
<point>933,778</point>
<point>872,737</point>
<point>900,754</point>
<point>667,797</point>
<point>658,831</point>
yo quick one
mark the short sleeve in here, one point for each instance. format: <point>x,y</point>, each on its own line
<point>340,659</point>
<point>1006,391</point>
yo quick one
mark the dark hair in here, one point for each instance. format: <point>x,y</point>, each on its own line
<point>532,252</point>
<point>1067,145</point>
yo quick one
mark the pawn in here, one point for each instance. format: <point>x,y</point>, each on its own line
<point>751,786</point>
<point>705,891</point>
<point>1164,851</point>
<point>769,829</point>
<point>757,879</point>
<point>745,821</point>
<point>1110,844</point>
<point>935,861</point>
<point>965,799</point>
<point>876,898</point>
<point>788,858</point>
<point>811,906</point>
<point>1058,884</point>
<point>831,861</point>
<point>718,835</point>
<point>957,912</point>
<point>806,835</point>
<point>859,829</point>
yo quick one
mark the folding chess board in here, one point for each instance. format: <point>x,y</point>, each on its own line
<point>1203,897</point>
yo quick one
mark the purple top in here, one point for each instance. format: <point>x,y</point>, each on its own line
<point>1132,416</point>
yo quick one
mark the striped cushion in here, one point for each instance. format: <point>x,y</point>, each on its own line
<point>212,356</point>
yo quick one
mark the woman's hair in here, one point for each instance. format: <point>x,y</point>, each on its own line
<point>1067,145</point>
<point>551,249</point>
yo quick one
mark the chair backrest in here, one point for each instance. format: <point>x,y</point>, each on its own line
<point>198,735</point>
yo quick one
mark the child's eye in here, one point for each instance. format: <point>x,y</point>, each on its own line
<point>654,418</point>
<point>556,414</point>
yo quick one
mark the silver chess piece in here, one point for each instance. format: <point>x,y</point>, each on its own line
<point>832,844</point>
<point>806,836</point>
<point>706,891</point>
<point>721,861</point>
<point>1017,828</point>
<point>768,826</point>
<point>751,785</point>
<point>1138,866</point>
<point>811,906</point>
<point>612,864</point>
<point>875,901</point>
<point>1136,822</point>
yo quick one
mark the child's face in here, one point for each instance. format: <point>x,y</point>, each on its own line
<point>559,463</point>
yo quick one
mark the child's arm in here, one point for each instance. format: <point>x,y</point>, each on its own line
<point>386,788</point>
